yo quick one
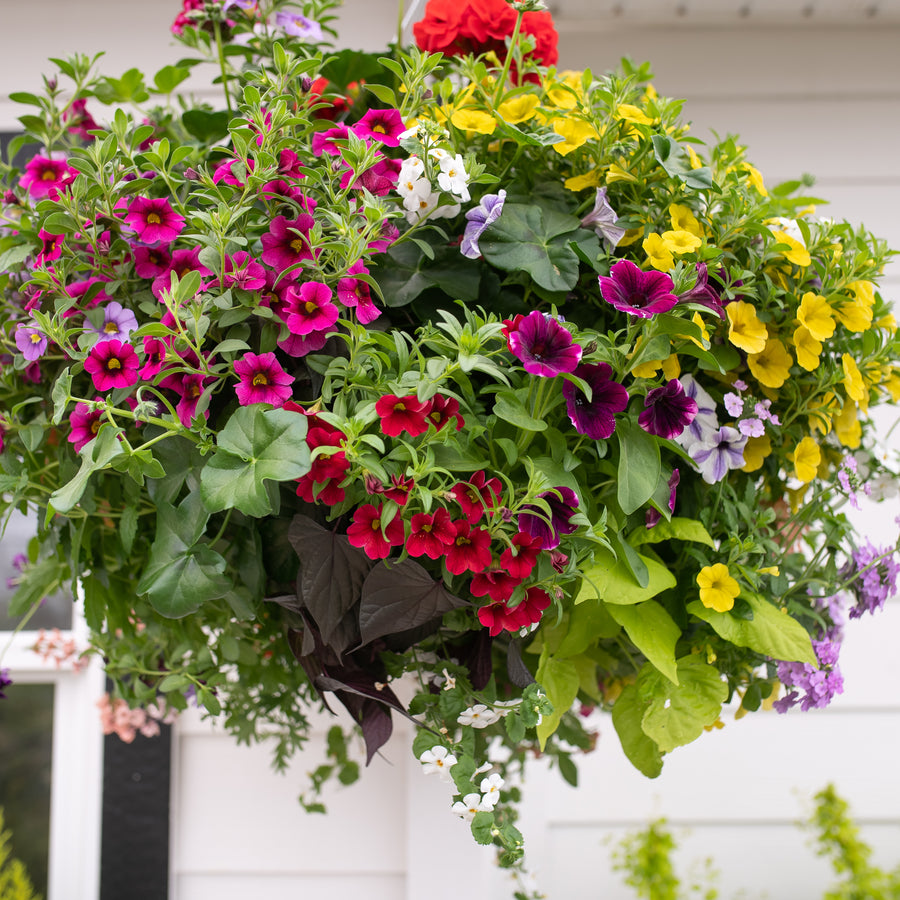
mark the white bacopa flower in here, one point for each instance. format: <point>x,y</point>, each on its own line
<point>469,805</point>
<point>490,789</point>
<point>453,177</point>
<point>478,716</point>
<point>438,760</point>
<point>412,168</point>
<point>449,681</point>
<point>420,207</point>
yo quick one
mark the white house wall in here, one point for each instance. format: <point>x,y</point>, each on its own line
<point>804,98</point>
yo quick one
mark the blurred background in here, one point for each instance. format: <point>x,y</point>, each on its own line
<point>811,86</point>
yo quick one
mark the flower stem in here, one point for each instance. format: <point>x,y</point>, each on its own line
<point>220,49</point>
<point>501,84</point>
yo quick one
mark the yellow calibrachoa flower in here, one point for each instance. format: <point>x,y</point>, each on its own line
<point>658,253</point>
<point>744,327</point>
<point>474,121</point>
<point>887,322</point>
<point>815,314</point>
<point>770,570</point>
<point>772,366</point>
<point>808,349</point>
<point>821,412</point>
<point>806,458</point>
<point>847,427</point>
<point>562,98</point>
<point>797,254</point>
<point>575,131</point>
<point>854,315</point>
<point>718,590</point>
<point>696,162</point>
<point>853,382</point>
<point>670,366</point>
<point>518,109</point>
<point>754,176</point>
<point>616,173</point>
<point>580,182</point>
<point>891,383</point>
<point>684,220</point>
<point>864,291</point>
<point>630,237</point>
<point>755,451</point>
<point>635,114</point>
<point>679,242</point>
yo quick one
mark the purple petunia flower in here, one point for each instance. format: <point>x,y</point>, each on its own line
<point>543,345</point>
<point>629,289</point>
<point>667,410</point>
<point>703,294</point>
<point>705,424</point>
<point>653,515</point>
<point>32,342</point>
<point>477,220</point>
<point>595,417</point>
<point>602,219</point>
<point>873,585</point>
<point>299,26</point>
<point>118,322</point>
<point>724,451</point>
<point>5,682</point>
<point>563,503</point>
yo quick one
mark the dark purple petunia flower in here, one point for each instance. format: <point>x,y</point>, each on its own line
<point>653,515</point>
<point>5,682</point>
<point>629,289</point>
<point>703,293</point>
<point>477,220</point>
<point>595,417</point>
<point>722,451</point>
<point>667,410</point>
<point>563,503</point>
<point>543,345</point>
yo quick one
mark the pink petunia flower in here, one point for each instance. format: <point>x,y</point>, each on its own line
<point>112,364</point>
<point>262,380</point>
<point>154,220</point>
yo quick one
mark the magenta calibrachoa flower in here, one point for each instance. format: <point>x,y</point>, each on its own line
<point>544,347</point>
<point>262,380</point>
<point>287,241</point>
<point>667,411</point>
<point>310,308</point>
<point>629,289</point>
<point>84,423</point>
<point>32,342</point>
<point>112,364</point>
<point>384,125</point>
<point>154,220</point>
<point>595,417</point>
<point>45,177</point>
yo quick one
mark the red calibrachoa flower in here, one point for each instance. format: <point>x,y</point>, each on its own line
<point>367,532</point>
<point>476,495</point>
<point>498,584</point>
<point>323,480</point>
<point>112,364</point>
<point>443,410</point>
<point>520,559</point>
<point>262,380</point>
<point>431,534</point>
<point>399,414</point>
<point>399,489</point>
<point>497,616</point>
<point>470,550</point>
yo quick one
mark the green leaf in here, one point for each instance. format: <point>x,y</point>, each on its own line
<point>406,272</point>
<point>96,598</point>
<point>532,239</point>
<point>771,631</point>
<point>96,455</point>
<point>653,632</point>
<point>678,528</point>
<point>509,407</point>
<point>676,714</point>
<point>14,256</point>
<point>673,158</point>
<point>559,679</point>
<point>169,77</point>
<point>207,127</point>
<point>627,714</point>
<point>255,446</point>
<point>611,581</point>
<point>483,827</point>
<point>639,466</point>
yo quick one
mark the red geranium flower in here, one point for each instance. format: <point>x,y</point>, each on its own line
<point>476,495</point>
<point>470,550</point>
<point>368,533</point>
<point>399,414</point>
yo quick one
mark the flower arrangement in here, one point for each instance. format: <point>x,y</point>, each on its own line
<point>444,384</point>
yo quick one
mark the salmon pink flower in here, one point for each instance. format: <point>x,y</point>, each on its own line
<point>470,550</point>
<point>262,380</point>
<point>629,289</point>
<point>154,220</point>
<point>369,534</point>
<point>543,345</point>
<point>399,414</point>
<point>112,364</point>
<point>431,534</point>
<point>595,418</point>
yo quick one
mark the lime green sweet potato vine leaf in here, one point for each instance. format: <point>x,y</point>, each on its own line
<point>255,446</point>
<point>653,632</point>
<point>611,580</point>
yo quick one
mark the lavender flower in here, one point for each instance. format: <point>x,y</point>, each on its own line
<point>563,503</point>
<point>752,427</point>
<point>118,322</point>
<point>723,451</point>
<point>31,342</point>
<point>875,581</point>
<point>543,345</point>
<point>19,561</point>
<point>629,289</point>
<point>595,417</point>
<point>299,26</point>
<point>821,683</point>
<point>478,218</point>
<point>734,404</point>
<point>602,219</point>
<point>705,424</point>
<point>667,410</point>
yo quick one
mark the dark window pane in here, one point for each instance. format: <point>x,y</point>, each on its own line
<point>55,611</point>
<point>26,735</point>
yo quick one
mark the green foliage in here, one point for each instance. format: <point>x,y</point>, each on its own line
<point>14,881</point>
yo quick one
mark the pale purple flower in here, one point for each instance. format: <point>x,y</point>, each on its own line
<point>821,683</point>
<point>734,404</point>
<point>543,345</point>
<point>32,342</point>
<point>752,427</point>
<point>740,385</point>
<point>602,219</point>
<point>118,322</point>
<point>705,424</point>
<point>876,572</point>
<point>762,412</point>
<point>722,452</point>
<point>477,220</point>
<point>299,26</point>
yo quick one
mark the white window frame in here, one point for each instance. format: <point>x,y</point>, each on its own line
<point>76,782</point>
